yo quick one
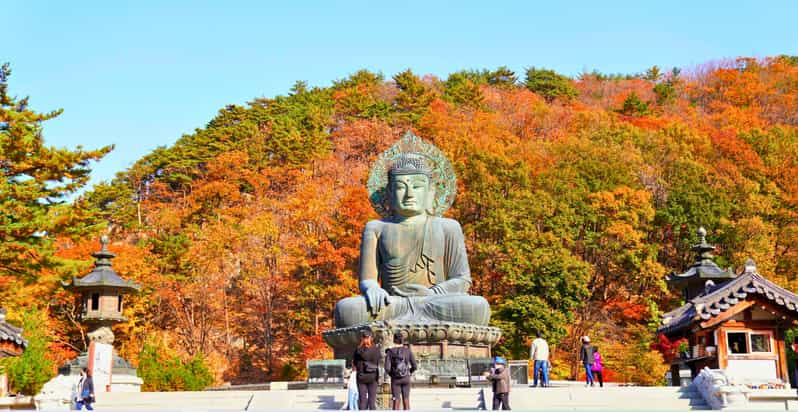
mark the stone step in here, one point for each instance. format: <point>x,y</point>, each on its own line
<point>553,398</point>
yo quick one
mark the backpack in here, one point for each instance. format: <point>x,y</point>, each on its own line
<point>597,366</point>
<point>400,367</point>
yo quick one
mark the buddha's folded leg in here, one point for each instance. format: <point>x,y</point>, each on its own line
<point>351,312</point>
<point>457,308</point>
<point>354,311</point>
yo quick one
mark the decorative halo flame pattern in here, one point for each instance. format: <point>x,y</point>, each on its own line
<point>443,179</point>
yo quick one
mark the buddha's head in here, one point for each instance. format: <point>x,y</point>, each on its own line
<point>409,186</point>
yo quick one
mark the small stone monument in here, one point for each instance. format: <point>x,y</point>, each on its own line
<point>101,292</point>
<point>414,274</point>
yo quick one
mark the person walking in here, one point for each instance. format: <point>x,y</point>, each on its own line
<point>400,365</point>
<point>366,362</point>
<point>539,353</point>
<point>586,356</point>
<point>598,368</point>
<point>499,376</point>
<point>85,392</point>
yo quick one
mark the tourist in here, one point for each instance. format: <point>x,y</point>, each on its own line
<point>499,376</point>
<point>539,353</point>
<point>598,368</point>
<point>85,392</point>
<point>586,356</point>
<point>366,362</point>
<point>400,365</point>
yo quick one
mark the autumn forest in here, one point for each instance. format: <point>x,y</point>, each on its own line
<point>577,196</point>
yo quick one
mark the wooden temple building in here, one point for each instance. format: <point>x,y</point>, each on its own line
<point>732,321</point>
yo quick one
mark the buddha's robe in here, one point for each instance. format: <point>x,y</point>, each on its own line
<point>432,255</point>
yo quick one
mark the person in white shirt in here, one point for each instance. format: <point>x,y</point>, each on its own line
<point>539,353</point>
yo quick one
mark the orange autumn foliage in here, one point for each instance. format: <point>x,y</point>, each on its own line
<point>245,233</point>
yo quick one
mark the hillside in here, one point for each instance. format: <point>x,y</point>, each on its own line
<point>576,197</point>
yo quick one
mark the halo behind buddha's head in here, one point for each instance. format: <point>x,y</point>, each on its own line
<point>408,156</point>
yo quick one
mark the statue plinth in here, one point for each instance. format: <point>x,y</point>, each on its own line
<point>427,339</point>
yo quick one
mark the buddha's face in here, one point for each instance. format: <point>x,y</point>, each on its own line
<point>410,194</point>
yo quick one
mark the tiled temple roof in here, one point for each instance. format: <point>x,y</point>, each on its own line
<point>9,332</point>
<point>720,298</point>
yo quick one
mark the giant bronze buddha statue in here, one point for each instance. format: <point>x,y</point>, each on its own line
<point>414,274</point>
<point>413,263</point>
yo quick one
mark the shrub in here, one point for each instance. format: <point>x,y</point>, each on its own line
<point>633,106</point>
<point>30,371</point>
<point>164,370</point>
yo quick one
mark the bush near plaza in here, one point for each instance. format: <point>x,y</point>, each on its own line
<point>163,369</point>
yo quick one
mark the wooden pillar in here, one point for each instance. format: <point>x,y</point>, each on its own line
<point>784,372</point>
<point>723,357</point>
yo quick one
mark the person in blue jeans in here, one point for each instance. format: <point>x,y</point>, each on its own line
<point>85,395</point>
<point>539,353</point>
<point>586,356</point>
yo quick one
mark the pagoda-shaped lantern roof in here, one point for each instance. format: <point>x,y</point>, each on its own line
<point>703,270</point>
<point>102,276</point>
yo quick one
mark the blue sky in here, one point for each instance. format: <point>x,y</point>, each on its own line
<point>140,74</point>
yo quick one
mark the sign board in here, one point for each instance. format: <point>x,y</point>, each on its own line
<point>477,368</point>
<point>101,359</point>
<point>752,370</point>
<point>519,372</point>
<point>326,371</point>
<point>441,371</point>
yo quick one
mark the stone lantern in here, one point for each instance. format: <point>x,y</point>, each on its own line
<point>101,292</point>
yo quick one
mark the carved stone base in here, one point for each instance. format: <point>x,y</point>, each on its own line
<point>428,340</point>
<point>119,366</point>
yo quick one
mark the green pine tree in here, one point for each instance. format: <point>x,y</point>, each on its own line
<point>35,185</point>
<point>414,96</point>
<point>550,84</point>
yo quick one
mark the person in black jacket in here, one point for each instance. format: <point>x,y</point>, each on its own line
<point>586,356</point>
<point>366,362</point>
<point>85,395</point>
<point>400,365</point>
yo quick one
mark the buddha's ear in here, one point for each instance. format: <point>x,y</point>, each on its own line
<point>430,206</point>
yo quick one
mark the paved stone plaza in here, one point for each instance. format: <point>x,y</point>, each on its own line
<point>564,397</point>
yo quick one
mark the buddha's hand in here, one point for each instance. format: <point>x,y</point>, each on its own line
<point>376,297</point>
<point>412,289</point>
